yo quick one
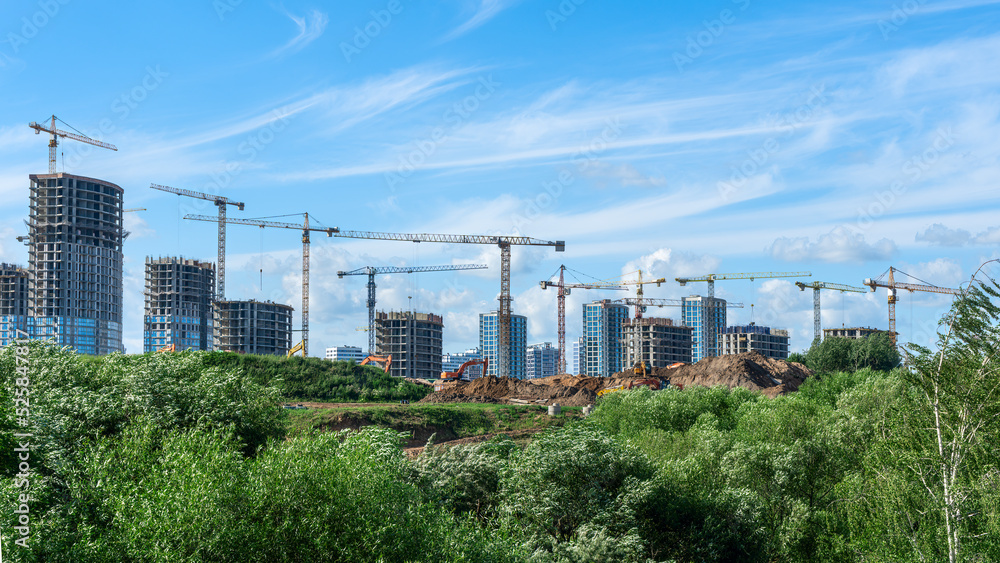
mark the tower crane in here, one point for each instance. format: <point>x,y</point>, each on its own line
<point>504,242</point>
<point>221,202</point>
<point>817,286</point>
<point>372,271</point>
<point>564,290</point>
<point>892,285</point>
<point>708,328</point>
<point>54,140</point>
<point>306,229</point>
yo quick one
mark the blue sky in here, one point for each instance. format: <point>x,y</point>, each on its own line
<point>679,138</point>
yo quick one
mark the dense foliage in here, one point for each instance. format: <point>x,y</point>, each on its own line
<point>848,354</point>
<point>316,379</point>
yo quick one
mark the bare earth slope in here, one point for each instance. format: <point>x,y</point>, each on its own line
<point>752,371</point>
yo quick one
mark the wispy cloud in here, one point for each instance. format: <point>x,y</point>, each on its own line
<point>486,11</point>
<point>839,245</point>
<point>311,27</point>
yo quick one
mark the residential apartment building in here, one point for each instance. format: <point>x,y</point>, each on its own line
<point>772,343</point>
<point>489,343</point>
<point>414,341</point>
<point>541,360</point>
<point>253,327</point>
<point>178,304</point>
<point>707,316</point>
<point>657,341</point>
<point>13,303</point>
<point>75,238</point>
<point>602,328</point>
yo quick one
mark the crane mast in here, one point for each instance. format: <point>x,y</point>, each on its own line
<point>816,287</point>
<point>306,229</point>
<point>220,202</point>
<point>564,290</point>
<point>372,271</point>
<point>55,133</point>
<point>504,242</point>
<point>893,286</point>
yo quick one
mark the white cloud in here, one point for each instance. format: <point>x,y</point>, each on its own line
<point>668,263</point>
<point>839,245</point>
<point>989,236</point>
<point>621,175</point>
<point>485,11</point>
<point>311,27</point>
<point>939,235</point>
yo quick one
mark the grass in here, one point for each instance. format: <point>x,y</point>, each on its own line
<point>447,422</point>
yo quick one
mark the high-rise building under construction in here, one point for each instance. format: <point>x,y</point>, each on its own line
<point>178,312</point>
<point>13,303</point>
<point>413,340</point>
<point>253,327</point>
<point>75,237</point>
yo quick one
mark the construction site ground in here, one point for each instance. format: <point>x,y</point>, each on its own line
<point>751,370</point>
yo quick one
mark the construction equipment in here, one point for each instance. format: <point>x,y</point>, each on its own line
<point>504,242</point>
<point>564,290</point>
<point>306,229</point>
<point>168,348</point>
<point>653,384</point>
<point>372,271</point>
<point>892,285</point>
<point>384,362</point>
<point>817,286</point>
<point>708,330</point>
<point>297,348</point>
<point>54,139</point>
<point>457,375</point>
<point>220,202</point>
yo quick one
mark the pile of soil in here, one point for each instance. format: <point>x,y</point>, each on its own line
<point>751,370</point>
<point>493,389</point>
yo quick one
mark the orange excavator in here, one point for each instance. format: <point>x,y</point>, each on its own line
<point>168,348</point>
<point>382,361</point>
<point>457,375</point>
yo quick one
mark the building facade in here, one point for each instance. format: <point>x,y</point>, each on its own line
<point>345,354</point>
<point>13,303</point>
<point>541,360</point>
<point>178,311</point>
<point>253,327</point>
<point>852,332</point>
<point>75,238</point>
<point>413,340</point>
<point>772,343</point>
<point>578,357</point>
<point>451,362</point>
<point>602,327</point>
<point>656,341</point>
<point>489,343</point>
<point>707,316</point>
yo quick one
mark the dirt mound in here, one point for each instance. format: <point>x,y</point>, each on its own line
<point>751,370</point>
<point>493,389</point>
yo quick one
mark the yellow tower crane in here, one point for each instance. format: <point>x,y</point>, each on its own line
<point>893,286</point>
<point>306,229</point>
<point>54,139</point>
